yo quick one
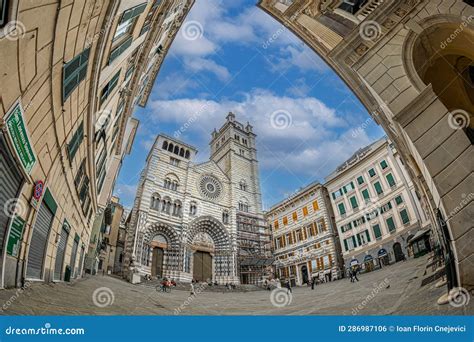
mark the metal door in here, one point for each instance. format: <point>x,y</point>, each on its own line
<point>59,262</point>
<point>39,241</point>
<point>73,258</point>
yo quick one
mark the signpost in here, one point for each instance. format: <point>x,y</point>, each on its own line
<point>18,133</point>
<point>14,237</point>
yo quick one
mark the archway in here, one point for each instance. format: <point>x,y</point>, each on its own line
<point>208,248</point>
<point>304,274</point>
<point>397,251</point>
<point>160,250</point>
<point>443,56</point>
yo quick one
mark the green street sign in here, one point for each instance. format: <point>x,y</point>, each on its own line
<point>14,237</point>
<point>19,136</point>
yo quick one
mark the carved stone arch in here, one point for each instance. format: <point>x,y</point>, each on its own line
<point>165,230</point>
<point>214,228</point>
<point>429,25</point>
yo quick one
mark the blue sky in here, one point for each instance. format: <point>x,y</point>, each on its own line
<point>232,56</point>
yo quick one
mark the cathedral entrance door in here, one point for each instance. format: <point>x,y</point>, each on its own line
<point>157,262</point>
<point>202,266</point>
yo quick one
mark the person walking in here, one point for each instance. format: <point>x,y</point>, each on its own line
<point>354,273</point>
<point>288,287</point>
<point>313,280</point>
<point>192,287</point>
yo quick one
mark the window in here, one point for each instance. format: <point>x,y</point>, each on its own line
<point>390,224</point>
<point>127,22</point>
<point>378,188</point>
<point>383,164</point>
<point>390,180</point>
<point>225,217</point>
<point>243,185</point>
<point>386,207</point>
<point>371,172</point>
<point>275,224</point>
<point>337,194</point>
<point>305,211</point>
<point>354,203</point>
<point>192,209</point>
<point>352,6</point>
<point>285,220</point>
<point>377,232</point>
<point>350,243</point>
<point>359,221</point>
<point>346,227</point>
<point>109,87</point>
<point>295,216</point>
<point>399,199</point>
<point>315,205</point>
<point>174,161</point>
<point>342,209</point>
<point>365,194</point>
<point>3,12</point>
<point>404,216</point>
<point>75,141</point>
<point>74,72</point>
<point>117,51</point>
<point>360,180</point>
<point>155,202</point>
<point>363,238</point>
<point>129,72</point>
<point>348,187</point>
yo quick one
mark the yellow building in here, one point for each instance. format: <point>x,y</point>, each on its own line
<point>305,243</point>
<point>70,75</point>
<point>410,62</point>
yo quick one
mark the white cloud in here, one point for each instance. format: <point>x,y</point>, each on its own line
<point>315,142</point>
<point>202,64</point>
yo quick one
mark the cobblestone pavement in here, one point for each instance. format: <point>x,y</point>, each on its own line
<point>392,290</point>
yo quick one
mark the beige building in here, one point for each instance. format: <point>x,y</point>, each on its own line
<point>410,62</point>
<point>70,74</point>
<point>305,241</point>
<point>376,210</point>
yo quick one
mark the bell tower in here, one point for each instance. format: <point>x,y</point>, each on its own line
<point>233,149</point>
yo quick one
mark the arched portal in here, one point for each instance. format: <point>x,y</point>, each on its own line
<point>208,251</point>
<point>443,56</point>
<point>160,251</point>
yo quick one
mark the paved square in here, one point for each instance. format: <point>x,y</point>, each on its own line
<point>393,290</point>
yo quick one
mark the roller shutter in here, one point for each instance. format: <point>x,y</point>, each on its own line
<point>39,241</point>
<point>59,262</point>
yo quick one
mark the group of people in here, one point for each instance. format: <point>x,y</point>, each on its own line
<point>167,284</point>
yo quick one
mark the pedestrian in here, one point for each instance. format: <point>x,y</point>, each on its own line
<point>288,287</point>
<point>192,287</point>
<point>354,273</point>
<point>312,283</point>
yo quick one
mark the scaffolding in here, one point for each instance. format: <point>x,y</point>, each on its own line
<point>254,249</point>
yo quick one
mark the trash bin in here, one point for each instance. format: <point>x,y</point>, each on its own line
<point>67,273</point>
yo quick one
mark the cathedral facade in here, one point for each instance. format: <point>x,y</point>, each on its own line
<point>200,221</point>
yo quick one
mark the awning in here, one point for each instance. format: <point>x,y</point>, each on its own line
<point>419,234</point>
<point>382,252</point>
<point>368,258</point>
<point>354,262</point>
